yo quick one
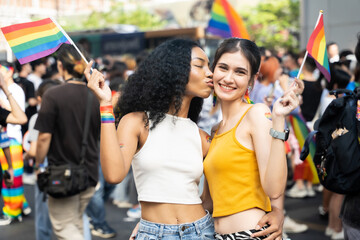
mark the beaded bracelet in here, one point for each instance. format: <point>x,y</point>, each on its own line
<point>107,114</point>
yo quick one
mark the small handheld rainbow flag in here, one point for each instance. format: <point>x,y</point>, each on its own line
<point>33,40</point>
<point>301,131</point>
<point>225,22</point>
<point>316,48</point>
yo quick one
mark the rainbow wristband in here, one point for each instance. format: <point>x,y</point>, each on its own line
<point>107,114</point>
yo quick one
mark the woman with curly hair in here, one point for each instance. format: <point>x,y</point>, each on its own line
<point>158,135</point>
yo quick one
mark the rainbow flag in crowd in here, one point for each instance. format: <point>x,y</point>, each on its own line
<point>33,40</point>
<point>301,131</point>
<point>316,48</point>
<point>225,22</point>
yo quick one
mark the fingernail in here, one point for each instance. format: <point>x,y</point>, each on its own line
<point>257,227</point>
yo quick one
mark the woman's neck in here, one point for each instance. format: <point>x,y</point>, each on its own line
<point>230,110</point>
<point>184,109</point>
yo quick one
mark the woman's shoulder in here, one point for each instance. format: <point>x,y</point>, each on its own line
<point>258,113</point>
<point>134,117</point>
<point>132,123</point>
<point>258,108</point>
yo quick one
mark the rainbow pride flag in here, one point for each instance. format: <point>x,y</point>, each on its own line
<point>316,48</point>
<point>301,131</point>
<point>225,22</point>
<point>33,40</point>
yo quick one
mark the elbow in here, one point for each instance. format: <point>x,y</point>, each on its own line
<point>23,120</point>
<point>112,178</point>
<point>275,193</point>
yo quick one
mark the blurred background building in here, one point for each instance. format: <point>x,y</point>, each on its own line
<point>341,19</point>
<point>129,26</point>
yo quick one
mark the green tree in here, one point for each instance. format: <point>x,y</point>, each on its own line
<point>274,24</point>
<point>140,17</point>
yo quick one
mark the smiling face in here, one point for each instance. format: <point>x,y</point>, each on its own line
<point>200,78</point>
<point>231,76</point>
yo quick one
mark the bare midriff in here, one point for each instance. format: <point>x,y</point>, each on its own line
<point>168,213</point>
<point>238,222</point>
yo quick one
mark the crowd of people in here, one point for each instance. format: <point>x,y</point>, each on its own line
<point>190,146</point>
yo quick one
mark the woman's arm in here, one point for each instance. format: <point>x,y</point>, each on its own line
<point>117,147</point>
<point>16,116</point>
<point>274,220</point>
<point>206,197</point>
<point>270,152</point>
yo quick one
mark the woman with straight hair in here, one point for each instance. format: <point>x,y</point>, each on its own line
<point>245,167</point>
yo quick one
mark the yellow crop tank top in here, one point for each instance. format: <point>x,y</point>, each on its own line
<point>233,176</point>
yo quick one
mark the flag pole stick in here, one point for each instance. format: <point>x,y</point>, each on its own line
<point>70,40</point>
<point>306,54</point>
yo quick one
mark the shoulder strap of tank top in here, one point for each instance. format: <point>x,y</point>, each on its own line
<point>243,117</point>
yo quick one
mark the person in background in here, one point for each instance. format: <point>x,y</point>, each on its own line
<point>332,201</point>
<point>267,90</point>
<point>15,116</point>
<point>15,203</point>
<point>290,64</point>
<point>30,99</point>
<point>350,211</point>
<point>43,230</point>
<point>61,124</point>
<point>39,70</point>
<point>333,52</point>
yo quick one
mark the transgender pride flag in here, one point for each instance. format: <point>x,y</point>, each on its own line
<point>33,40</point>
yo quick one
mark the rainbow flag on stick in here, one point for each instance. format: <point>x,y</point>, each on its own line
<point>301,131</point>
<point>316,48</point>
<point>34,40</point>
<point>225,22</point>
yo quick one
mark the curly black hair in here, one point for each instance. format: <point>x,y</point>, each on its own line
<point>159,82</point>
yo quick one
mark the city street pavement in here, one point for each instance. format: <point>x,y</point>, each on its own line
<point>301,210</point>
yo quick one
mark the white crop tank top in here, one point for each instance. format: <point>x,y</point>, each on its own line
<point>167,169</point>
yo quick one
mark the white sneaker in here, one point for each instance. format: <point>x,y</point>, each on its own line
<point>337,235</point>
<point>6,220</point>
<point>319,188</point>
<point>26,211</point>
<point>310,192</point>
<point>290,226</point>
<point>295,192</point>
<point>329,231</point>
